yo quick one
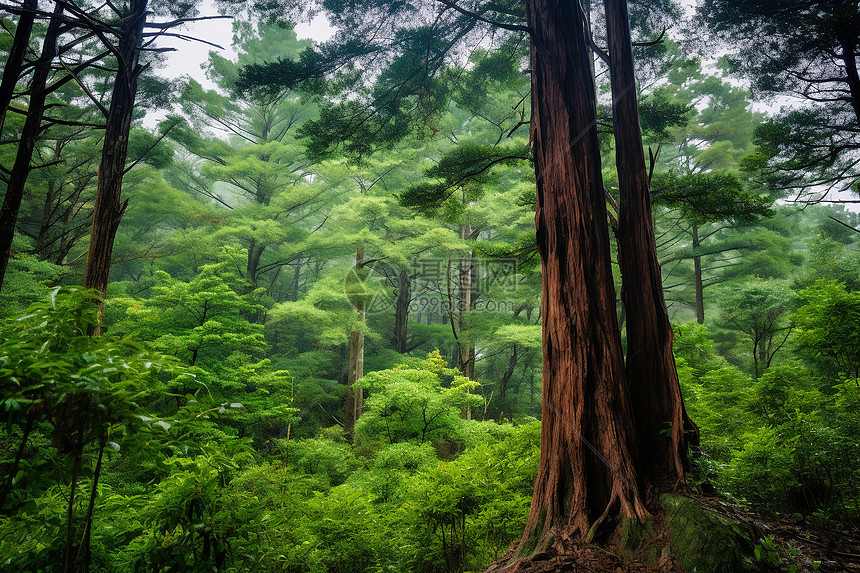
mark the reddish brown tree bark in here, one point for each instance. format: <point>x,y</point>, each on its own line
<point>109,206</point>
<point>651,374</point>
<point>29,136</point>
<point>586,471</point>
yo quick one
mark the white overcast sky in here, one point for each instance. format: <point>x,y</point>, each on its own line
<point>189,57</point>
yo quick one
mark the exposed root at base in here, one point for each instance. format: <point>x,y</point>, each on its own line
<point>582,558</point>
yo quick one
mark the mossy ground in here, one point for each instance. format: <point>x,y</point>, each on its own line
<point>684,535</point>
<point>704,541</point>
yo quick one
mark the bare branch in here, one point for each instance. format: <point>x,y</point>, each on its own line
<point>180,21</point>
<point>469,13</point>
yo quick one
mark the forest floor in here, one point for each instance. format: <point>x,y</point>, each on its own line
<point>784,543</point>
<point>837,549</point>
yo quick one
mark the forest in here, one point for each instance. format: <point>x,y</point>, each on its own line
<point>471,285</point>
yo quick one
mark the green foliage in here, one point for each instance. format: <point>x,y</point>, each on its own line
<point>464,169</point>
<point>829,328</point>
<point>660,113</point>
<point>806,146</point>
<point>782,442</point>
<point>28,279</point>
<point>784,391</point>
<point>193,513</point>
<point>692,344</point>
<point>331,462</point>
<point>765,468</point>
<point>413,405</point>
<point>97,398</point>
<point>52,367</point>
<point>709,197</point>
<point>205,319</point>
<point>759,310</point>
<point>455,519</point>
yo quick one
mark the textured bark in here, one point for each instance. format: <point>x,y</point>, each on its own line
<point>586,472</point>
<point>15,61</point>
<point>29,137</point>
<point>354,396</point>
<point>109,206</point>
<point>651,374</point>
<point>401,312</point>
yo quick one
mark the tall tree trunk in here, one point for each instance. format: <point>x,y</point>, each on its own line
<point>697,270</point>
<point>655,392</point>
<point>109,206</point>
<point>297,274</point>
<point>354,396</point>
<point>29,137</point>
<point>465,349</point>
<point>84,556</point>
<point>506,377</point>
<point>255,254</point>
<point>52,199</point>
<point>401,312</point>
<point>586,472</point>
<point>15,61</point>
<point>52,204</point>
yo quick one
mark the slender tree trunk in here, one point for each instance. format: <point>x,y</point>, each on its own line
<point>354,396</point>
<point>19,455</point>
<point>109,206</point>
<point>297,273</point>
<point>651,374</point>
<point>756,354</point>
<point>697,271</point>
<point>586,474</point>
<point>52,205</point>
<point>465,349</point>
<point>84,557</point>
<point>48,208</point>
<point>68,554</point>
<point>29,137</point>
<point>401,312</point>
<point>15,61</point>
<point>69,235</point>
<point>531,386</point>
<point>255,253</point>
<point>506,377</point>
